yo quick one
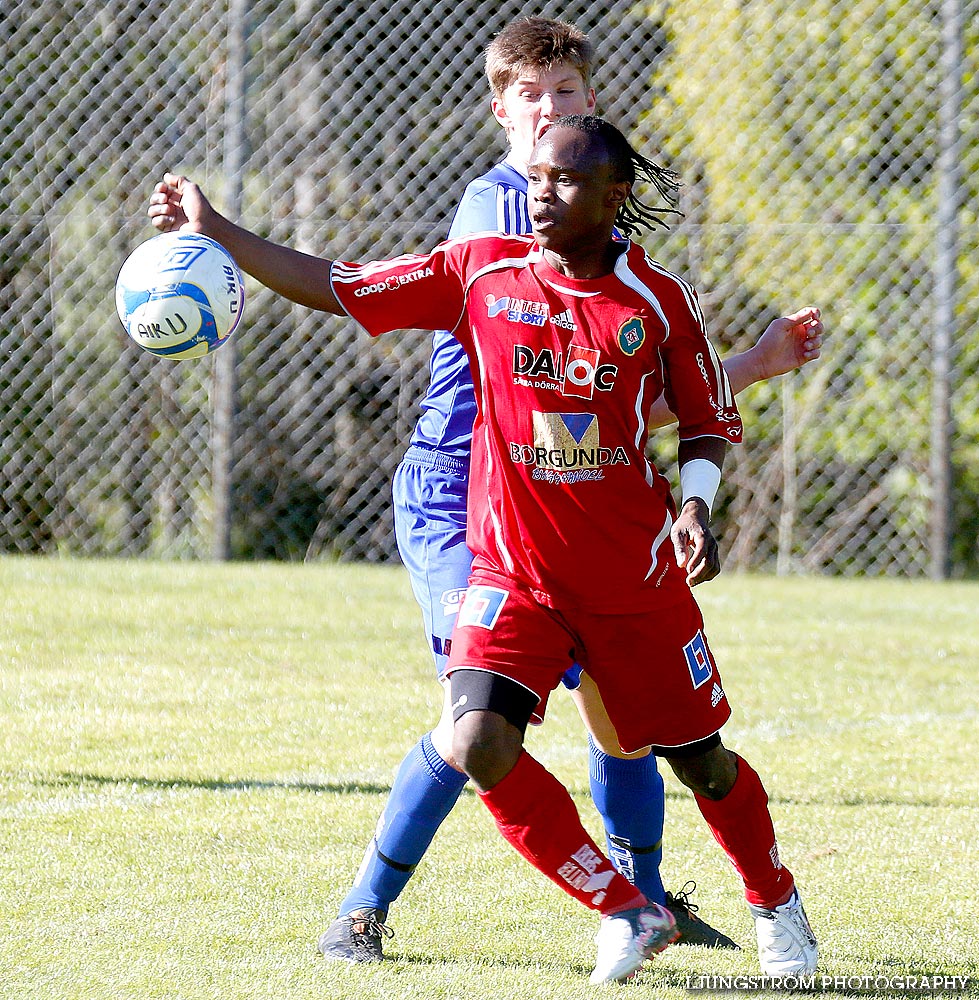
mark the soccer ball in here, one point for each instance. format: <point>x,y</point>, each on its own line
<point>180,295</point>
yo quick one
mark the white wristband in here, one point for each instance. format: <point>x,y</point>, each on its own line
<point>699,478</point>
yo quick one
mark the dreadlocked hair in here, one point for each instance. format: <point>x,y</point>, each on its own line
<point>627,165</point>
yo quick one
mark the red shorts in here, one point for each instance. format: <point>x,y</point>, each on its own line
<point>655,671</point>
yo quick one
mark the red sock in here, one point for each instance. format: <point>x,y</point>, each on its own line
<point>535,814</point>
<point>742,825</point>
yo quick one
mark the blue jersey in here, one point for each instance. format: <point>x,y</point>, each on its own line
<point>494,202</point>
<point>431,482</point>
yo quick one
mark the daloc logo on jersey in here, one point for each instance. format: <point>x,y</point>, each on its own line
<point>579,375</point>
<point>580,372</point>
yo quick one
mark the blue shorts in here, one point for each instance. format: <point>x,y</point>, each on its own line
<point>430,527</point>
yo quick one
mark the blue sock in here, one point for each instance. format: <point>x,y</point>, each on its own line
<point>424,791</point>
<point>629,796</point>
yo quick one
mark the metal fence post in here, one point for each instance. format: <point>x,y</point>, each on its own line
<point>225,361</point>
<point>946,274</point>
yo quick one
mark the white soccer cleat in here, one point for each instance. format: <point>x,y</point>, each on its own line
<point>786,943</point>
<point>625,940</point>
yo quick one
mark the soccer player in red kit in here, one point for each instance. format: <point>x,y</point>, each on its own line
<point>580,554</point>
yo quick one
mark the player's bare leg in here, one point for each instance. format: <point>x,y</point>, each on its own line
<point>733,801</point>
<point>627,790</point>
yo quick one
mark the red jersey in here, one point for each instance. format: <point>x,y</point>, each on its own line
<point>561,495</point>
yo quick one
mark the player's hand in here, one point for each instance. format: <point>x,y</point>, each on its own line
<point>789,342</point>
<point>177,204</point>
<point>694,545</point>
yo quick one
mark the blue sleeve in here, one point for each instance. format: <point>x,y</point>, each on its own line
<point>488,207</point>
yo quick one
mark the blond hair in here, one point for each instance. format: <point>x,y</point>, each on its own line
<point>538,43</point>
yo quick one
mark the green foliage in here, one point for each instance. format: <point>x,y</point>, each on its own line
<point>811,132</point>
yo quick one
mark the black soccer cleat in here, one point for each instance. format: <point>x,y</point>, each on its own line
<point>692,929</point>
<point>355,937</point>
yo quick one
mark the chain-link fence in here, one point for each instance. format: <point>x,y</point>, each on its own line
<point>829,151</point>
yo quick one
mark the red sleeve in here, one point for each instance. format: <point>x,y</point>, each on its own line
<point>695,383</point>
<point>411,292</point>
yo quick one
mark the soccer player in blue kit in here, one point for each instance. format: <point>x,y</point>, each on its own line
<point>538,69</point>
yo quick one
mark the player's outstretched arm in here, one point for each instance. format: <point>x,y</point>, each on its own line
<point>789,342</point>
<point>178,204</point>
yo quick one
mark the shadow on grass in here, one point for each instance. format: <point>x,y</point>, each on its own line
<point>414,958</point>
<point>68,779</point>
<point>846,801</point>
<point>71,779</point>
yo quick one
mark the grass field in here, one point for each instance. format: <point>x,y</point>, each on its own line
<point>194,756</point>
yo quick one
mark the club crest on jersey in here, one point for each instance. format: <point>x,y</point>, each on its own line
<point>577,375</point>
<point>632,335</point>
<point>517,310</point>
<point>567,449</point>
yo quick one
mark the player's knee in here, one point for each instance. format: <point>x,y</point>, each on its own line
<point>490,716</point>
<point>486,747</point>
<point>710,773</point>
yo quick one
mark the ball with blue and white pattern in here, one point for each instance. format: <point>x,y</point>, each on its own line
<point>180,295</point>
